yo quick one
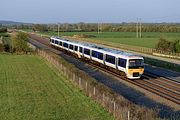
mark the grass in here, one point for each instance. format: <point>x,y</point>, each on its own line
<point>149,39</point>
<point>4,34</point>
<point>30,89</point>
<point>142,42</point>
<point>164,64</point>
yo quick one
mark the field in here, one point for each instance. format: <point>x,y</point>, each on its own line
<point>149,39</point>
<point>31,89</point>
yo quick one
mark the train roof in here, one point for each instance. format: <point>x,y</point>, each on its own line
<point>100,48</point>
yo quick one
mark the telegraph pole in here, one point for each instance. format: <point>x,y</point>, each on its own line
<point>137,29</point>
<point>58,29</point>
<point>101,27</point>
<point>140,29</point>
<point>98,28</point>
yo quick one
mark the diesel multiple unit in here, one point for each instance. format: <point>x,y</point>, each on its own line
<point>130,64</point>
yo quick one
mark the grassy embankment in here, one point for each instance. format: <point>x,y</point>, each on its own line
<point>31,89</point>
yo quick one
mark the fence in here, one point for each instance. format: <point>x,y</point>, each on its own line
<point>121,108</point>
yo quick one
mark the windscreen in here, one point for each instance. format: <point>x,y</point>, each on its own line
<point>136,63</point>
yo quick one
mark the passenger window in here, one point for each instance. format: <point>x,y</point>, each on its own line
<point>122,62</point>
<point>56,42</point>
<point>94,53</point>
<point>97,55</point>
<point>80,49</point>
<point>71,47</point>
<point>65,45</point>
<point>60,43</point>
<point>110,59</point>
<point>76,48</point>
<point>86,51</point>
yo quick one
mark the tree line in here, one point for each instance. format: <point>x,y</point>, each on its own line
<point>104,27</point>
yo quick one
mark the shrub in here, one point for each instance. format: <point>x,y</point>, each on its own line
<point>168,46</point>
<point>20,42</point>
<point>177,45</point>
<point>3,29</point>
<point>163,44</point>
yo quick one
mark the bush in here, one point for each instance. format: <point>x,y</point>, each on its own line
<point>163,44</point>
<point>3,29</point>
<point>177,45</point>
<point>20,43</point>
<point>168,46</point>
<point>6,48</point>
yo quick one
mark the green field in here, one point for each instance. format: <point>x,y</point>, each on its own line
<point>149,39</point>
<point>31,89</point>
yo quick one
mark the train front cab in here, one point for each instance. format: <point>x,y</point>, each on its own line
<point>135,68</point>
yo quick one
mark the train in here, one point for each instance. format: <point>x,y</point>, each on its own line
<point>125,63</point>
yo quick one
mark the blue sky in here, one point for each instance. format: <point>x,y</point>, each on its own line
<point>74,11</point>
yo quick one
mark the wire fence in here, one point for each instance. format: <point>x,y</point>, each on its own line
<point>121,108</point>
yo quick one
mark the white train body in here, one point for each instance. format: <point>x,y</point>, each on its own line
<point>132,65</point>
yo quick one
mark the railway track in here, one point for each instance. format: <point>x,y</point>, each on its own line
<point>163,87</point>
<point>154,87</point>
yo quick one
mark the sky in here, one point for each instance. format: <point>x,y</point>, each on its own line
<point>90,11</point>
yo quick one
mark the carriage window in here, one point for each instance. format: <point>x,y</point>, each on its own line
<point>60,43</point>
<point>97,55</point>
<point>86,51</point>
<point>71,47</point>
<point>80,49</point>
<point>65,45</point>
<point>56,42</point>
<point>110,59</point>
<point>76,48</point>
<point>52,41</point>
<point>122,62</point>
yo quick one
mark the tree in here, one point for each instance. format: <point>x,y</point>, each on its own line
<point>19,43</point>
<point>166,45</point>
<point>106,28</point>
<point>163,44</point>
<point>3,29</point>
<point>177,45</point>
<point>40,28</point>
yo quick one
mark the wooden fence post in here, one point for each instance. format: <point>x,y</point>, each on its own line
<point>103,98</point>
<point>86,86</point>
<point>94,91</point>
<point>79,82</point>
<point>114,110</point>
<point>73,77</point>
<point>61,66</point>
<point>128,115</point>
